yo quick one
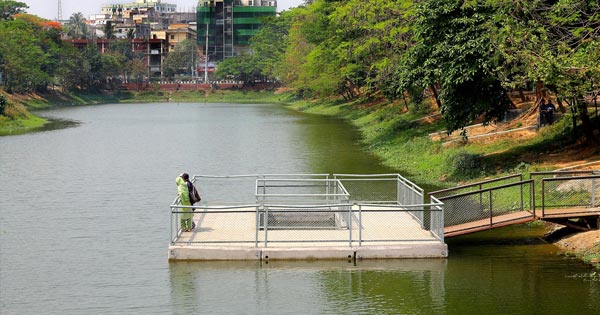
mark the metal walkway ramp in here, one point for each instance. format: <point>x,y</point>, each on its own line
<point>568,198</point>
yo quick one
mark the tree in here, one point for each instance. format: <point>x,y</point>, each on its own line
<point>22,57</point>
<point>2,104</point>
<point>109,30</point>
<point>10,8</point>
<point>241,68</point>
<point>558,43</point>
<point>74,70</point>
<point>136,68</point>
<point>77,28</point>
<point>269,44</point>
<point>454,48</point>
<point>183,59</point>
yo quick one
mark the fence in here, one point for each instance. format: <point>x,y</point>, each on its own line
<point>300,208</point>
<point>570,192</point>
<point>331,224</point>
<point>238,189</point>
<point>381,188</point>
<point>489,203</point>
<point>300,191</point>
<point>476,186</point>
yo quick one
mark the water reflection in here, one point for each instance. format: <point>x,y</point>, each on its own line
<point>323,287</point>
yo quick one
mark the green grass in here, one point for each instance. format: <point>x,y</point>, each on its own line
<point>403,143</point>
<point>218,96</point>
<point>13,126</point>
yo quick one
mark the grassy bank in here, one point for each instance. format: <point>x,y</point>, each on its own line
<point>18,119</point>
<point>216,96</point>
<point>401,138</point>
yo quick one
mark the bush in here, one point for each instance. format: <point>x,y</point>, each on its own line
<point>466,166</point>
<point>2,104</point>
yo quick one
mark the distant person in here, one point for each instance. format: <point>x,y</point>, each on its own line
<point>184,200</point>
<point>541,114</point>
<point>549,112</point>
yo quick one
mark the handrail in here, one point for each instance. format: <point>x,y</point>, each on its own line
<point>569,178</point>
<point>475,184</point>
<point>487,189</point>
<point>561,173</point>
<point>321,194</point>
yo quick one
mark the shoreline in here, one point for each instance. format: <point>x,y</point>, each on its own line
<point>370,125</point>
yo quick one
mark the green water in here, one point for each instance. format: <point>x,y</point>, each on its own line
<point>84,225</point>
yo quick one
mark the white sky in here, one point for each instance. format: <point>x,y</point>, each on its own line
<point>48,9</point>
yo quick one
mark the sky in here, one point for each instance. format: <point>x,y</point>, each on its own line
<point>48,9</point>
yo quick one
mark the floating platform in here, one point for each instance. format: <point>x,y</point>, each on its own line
<point>235,236</point>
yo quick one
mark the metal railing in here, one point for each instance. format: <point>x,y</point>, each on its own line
<point>489,203</point>
<point>570,192</point>
<point>305,208</point>
<point>329,224</point>
<point>300,191</point>
<point>381,188</point>
<point>237,189</point>
<point>476,186</point>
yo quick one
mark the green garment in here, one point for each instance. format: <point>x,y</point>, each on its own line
<point>184,196</point>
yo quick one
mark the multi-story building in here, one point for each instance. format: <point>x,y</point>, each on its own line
<point>177,33</point>
<point>224,27</point>
<point>140,5</point>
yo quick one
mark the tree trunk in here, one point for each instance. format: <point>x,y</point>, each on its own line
<point>573,108</point>
<point>539,86</point>
<point>512,104</point>
<point>435,95</point>
<point>522,96</point>
<point>561,107</point>
<point>405,102</point>
<point>586,125</point>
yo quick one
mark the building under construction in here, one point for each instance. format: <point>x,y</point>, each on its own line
<point>226,26</point>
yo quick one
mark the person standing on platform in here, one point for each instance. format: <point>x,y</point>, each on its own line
<point>184,200</point>
<point>194,196</point>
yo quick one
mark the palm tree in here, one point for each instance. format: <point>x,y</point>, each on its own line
<point>77,26</point>
<point>109,30</point>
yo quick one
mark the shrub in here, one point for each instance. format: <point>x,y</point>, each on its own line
<point>465,165</point>
<point>2,104</point>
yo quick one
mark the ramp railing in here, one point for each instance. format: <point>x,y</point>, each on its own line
<point>490,203</point>
<point>563,195</point>
<point>477,186</point>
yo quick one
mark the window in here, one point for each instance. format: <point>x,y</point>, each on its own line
<point>172,36</point>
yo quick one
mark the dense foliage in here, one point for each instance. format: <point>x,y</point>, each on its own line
<point>33,57</point>
<point>464,54</point>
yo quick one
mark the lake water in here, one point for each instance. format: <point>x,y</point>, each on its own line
<point>84,225</point>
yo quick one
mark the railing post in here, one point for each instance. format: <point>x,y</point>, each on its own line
<point>543,197</point>
<point>521,188</point>
<point>266,218</point>
<point>257,227</point>
<point>360,225</point>
<point>350,224</point>
<point>491,210</point>
<point>593,192</point>
<point>532,196</point>
<point>171,228</point>
<point>398,189</point>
